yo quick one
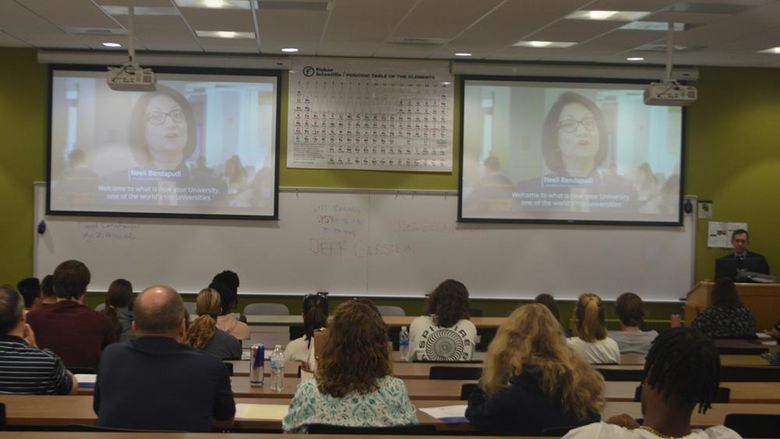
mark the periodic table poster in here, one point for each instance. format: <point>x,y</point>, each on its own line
<point>370,114</point>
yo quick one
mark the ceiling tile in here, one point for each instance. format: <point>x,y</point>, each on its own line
<point>443,18</point>
<point>71,13</point>
<point>236,20</point>
<point>362,21</point>
<point>291,28</point>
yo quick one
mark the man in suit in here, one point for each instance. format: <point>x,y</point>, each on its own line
<point>734,265</point>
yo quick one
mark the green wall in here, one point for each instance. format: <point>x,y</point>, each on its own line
<point>23,114</point>
<point>732,158</point>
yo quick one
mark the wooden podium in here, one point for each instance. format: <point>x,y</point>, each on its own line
<point>762,299</point>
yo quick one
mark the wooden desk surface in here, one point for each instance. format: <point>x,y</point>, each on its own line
<point>741,393</point>
<point>288,320</point>
<point>66,410</point>
<point>111,435</point>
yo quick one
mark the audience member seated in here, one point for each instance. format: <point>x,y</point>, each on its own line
<point>47,291</point>
<point>25,369</point>
<point>226,283</point>
<point>726,317</point>
<point>631,339</point>
<point>315,316</point>
<point>155,382</point>
<point>203,333</point>
<point>446,333</point>
<point>72,330</point>
<point>30,289</point>
<point>682,370</point>
<point>352,385</point>
<point>532,380</point>
<point>119,308</point>
<point>590,330</point>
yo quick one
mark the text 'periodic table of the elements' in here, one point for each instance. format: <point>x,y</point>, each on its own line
<point>374,115</point>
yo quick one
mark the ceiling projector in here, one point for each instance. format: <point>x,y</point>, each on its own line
<point>670,93</point>
<point>131,77</point>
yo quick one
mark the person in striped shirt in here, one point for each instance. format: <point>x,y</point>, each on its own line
<point>25,369</point>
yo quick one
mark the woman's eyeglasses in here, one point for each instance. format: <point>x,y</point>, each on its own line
<point>570,125</point>
<point>158,117</point>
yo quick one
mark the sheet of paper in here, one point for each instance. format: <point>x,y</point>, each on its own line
<point>448,414</point>
<point>86,379</point>
<point>719,233</point>
<point>275,412</point>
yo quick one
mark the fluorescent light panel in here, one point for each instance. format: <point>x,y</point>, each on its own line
<point>654,26</point>
<point>774,50</point>
<point>544,44</point>
<point>289,50</point>
<point>462,54</point>
<point>607,15</point>
<point>224,34</point>
<point>214,4</point>
<point>140,10</point>
<point>111,44</point>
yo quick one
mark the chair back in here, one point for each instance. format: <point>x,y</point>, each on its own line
<point>748,373</point>
<point>466,389</point>
<point>754,425</point>
<point>414,429</point>
<point>3,421</point>
<point>387,310</point>
<point>83,370</point>
<point>620,374</point>
<point>722,395</point>
<point>454,373</point>
<point>268,309</point>
<point>558,431</point>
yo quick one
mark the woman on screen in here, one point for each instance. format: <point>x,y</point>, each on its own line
<point>446,333</point>
<point>590,327</point>
<point>162,135</point>
<point>532,381</point>
<point>575,144</point>
<point>352,385</point>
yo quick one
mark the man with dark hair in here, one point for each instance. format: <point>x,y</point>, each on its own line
<point>682,370</point>
<point>25,369</point>
<point>30,289</point>
<point>741,261</point>
<point>47,291</point>
<point>72,330</point>
<point>157,383</point>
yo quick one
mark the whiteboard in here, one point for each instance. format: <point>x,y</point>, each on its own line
<point>373,244</point>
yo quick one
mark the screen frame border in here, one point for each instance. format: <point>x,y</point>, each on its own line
<point>573,81</point>
<point>276,74</point>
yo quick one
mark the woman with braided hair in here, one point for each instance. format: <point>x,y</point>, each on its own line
<point>590,331</point>
<point>203,333</point>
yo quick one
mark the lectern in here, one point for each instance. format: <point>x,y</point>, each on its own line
<point>762,299</point>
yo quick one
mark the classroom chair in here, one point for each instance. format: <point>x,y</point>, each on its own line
<point>414,429</point>
<point>466,389</point>
<point>83,370</point>
<point>2,416</point>
<point>268,309</point>
<point>748,373</point>
<point>190,307</point>
<point>754,425</point>
<point>454,373</point>
<point>727,350</point>
<point>558,431</point>
<point>722,395</point>
<point>389,310</point>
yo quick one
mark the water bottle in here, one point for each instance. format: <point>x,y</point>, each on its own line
<point>403,343</point>
<point>277,369</point>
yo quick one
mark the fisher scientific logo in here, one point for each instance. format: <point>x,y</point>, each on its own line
<point>309,71</point>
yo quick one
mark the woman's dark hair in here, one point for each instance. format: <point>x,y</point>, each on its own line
<point>449,303</point>
<point>136,135</point>
<point>683,366</point>
<point>315,314</point>
<point>47,286</point>
<point>226,283</point>
<point>724,294</point>
<point>630,309</point>
<point>549,301</point>
<point>550,150</point>
<point>355,354</point>
<point>30,289</point>
<point>119,295</point>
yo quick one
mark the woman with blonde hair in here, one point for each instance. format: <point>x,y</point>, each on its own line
<point>352,386</point>
<point>590,331</point>
<point>203,333</point>
<point>532,380</point>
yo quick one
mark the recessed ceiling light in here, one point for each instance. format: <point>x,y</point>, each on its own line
<point>214,4</point>
<point>224,34</point>
<point>462,54</point>
<point>111,44</point>
<point>660,26</point>
<point>775,50</point>
<point>289,50</point>
<point>544,44</point>
<point>607,15</point>
<point>635,58</point>
<point>140,10</point>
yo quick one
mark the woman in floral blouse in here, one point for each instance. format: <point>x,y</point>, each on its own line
<point>727,317</point>
<point>352,385</point>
